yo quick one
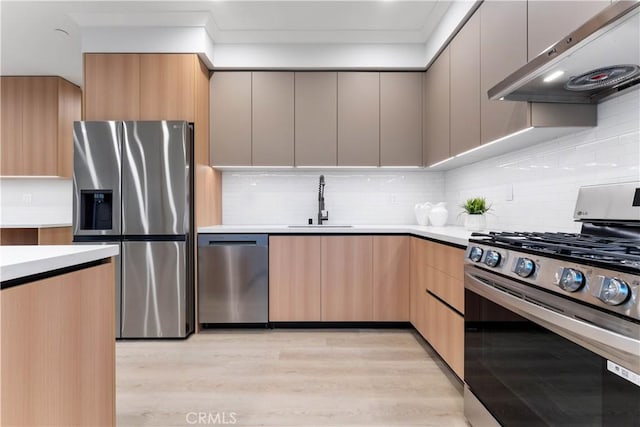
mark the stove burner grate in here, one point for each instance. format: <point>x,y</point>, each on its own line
<point>609,250</point>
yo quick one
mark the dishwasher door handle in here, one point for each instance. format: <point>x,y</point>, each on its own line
<point>211,239</point>
<point>233,243</point>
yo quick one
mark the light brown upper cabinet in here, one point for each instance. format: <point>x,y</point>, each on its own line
<point>436,110</point>
<point>316,121</point>
<point>465,87</point>
<point>39,126</point>
<point>358,119</point>
<point>294,278</point>
<point>37,122</point>
<point>272,118</point>
<point>167,86</point>
<point>111,86</point>
<point>140,86</point>
<point>549,21</point>
<point>231,118</point>
<point>346,278</point>
<point>11,96</point>
<point>401,119</point>
<point>391,276</point>
<point>69,111</point>
<point>503,37</point>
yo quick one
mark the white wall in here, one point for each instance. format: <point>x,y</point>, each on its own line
<point>449,22</point>
<point>320,56</point>
<point>351,197</point>
<point>545,178</point>
<point>31,201</point>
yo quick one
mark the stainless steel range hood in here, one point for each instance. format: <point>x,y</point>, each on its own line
<point>581,60</point>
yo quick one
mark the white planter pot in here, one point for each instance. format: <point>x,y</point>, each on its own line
<point>475,222</point>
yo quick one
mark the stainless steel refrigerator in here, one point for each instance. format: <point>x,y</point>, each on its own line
<point>133,184</point>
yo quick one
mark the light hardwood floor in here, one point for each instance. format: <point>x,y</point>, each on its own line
<point>286,377</point>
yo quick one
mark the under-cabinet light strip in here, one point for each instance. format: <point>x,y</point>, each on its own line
<point>480,147</point>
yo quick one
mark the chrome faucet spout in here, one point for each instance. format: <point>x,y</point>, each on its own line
<point>323,215</point>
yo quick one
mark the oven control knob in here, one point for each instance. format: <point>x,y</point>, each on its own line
<point>475,254</point>
<point>492,259</point>
<point>614,291</point>
<point>524,267</point>
<point>571,280</point>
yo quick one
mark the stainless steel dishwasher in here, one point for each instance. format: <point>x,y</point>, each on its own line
<point>233,278</point>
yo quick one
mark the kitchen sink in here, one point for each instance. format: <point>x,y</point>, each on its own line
<point>320,226</point>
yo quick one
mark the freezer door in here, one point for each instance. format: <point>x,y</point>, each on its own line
<point>155,178</point>
<point>155,300</point>
<point>97,167</point>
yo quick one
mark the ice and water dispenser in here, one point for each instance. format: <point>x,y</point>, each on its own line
<point>96,209</point>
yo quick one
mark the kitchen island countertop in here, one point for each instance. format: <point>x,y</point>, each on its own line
<point>449,234</point>
<point>36,225</point>
<point>17,262</point>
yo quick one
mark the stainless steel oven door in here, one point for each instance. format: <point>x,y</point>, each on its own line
<point>532,358</point>
<point>571,320</point>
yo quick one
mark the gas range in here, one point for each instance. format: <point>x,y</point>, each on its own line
<point>600,266</point>
<point>600,271</point>
<point>552,319</point>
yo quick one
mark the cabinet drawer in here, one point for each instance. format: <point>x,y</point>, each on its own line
<point>447,288</point>
<point>447,259</point>
<point>445,333</point>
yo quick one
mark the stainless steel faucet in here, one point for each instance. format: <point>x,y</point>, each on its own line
<point>323,215</point>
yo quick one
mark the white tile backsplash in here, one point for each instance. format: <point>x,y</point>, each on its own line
<point>545,178</point>
<point>351,197</point>
<point>530,189</point>
<point>34,201</point>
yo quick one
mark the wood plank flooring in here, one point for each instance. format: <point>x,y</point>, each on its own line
<point>286,377</point>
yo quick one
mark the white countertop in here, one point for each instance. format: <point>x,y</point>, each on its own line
<point>22,261</point>
<point>449,234</point>
<point>32,225</point>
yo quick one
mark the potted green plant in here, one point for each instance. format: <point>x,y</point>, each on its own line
<point>475,210</point>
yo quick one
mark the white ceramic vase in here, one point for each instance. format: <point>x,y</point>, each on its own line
<point>422,213</point>
<point>439,214</point>
<point>475,222</point>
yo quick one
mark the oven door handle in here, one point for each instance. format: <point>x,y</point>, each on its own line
<point>610,345</point>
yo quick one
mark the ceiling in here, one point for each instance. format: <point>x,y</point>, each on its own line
<point>30,44</point>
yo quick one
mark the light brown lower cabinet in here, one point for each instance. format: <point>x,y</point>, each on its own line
<point>444,273</point>
<point>418,273</point>
<point>437,299</point>
<point>346,278</point>
<point>445,333</point>
<point>294,278</point>
<point>57,350</point>
<point>36,236</point>
<point>339,278</point>
<point>391,275</point>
